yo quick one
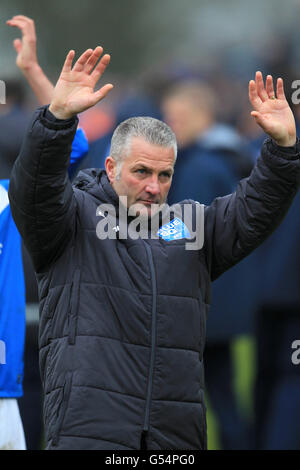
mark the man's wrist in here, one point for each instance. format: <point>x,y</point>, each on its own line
<point>289,142</point>
<point>59,113</point>
<point>53,119</point>
<point>30,68</point>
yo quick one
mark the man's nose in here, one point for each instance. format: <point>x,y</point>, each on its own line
<point>153,187</point>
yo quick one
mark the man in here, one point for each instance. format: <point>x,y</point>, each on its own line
<point>123,318</point>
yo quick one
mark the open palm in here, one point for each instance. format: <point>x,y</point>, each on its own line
<point>272,113</point>
<point>74,91</point>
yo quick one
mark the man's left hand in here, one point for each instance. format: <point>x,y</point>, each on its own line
<point>272,113</point>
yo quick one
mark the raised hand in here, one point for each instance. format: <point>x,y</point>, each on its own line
<point>27,59</point>
<point>272,113</point>
<point>25,47</point>
<point>74,91</point>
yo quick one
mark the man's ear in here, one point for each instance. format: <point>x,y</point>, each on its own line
<point>110,167</point>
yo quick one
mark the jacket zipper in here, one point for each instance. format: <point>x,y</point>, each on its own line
<point>153,338</point>
<point>74,304</point>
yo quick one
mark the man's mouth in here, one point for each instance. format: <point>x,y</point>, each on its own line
<point>147,202</point>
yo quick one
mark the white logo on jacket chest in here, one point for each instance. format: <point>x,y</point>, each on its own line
<point>175,230</point>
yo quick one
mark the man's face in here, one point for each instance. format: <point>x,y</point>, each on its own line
<point>146,176</point>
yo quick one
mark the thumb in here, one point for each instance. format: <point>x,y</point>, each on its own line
<point>100,94</point>
<point>17,45</point>
<point>259,118</point>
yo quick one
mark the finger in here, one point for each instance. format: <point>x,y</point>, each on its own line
<point>100,94</point>
<point>259,118</point>
<point>93,59</point>
<point>22,17</point>
<point>81,62</point>
<point>26,27</point>
<point>22,20</point>
<point>16,23</point>
<point>253,96</point>
<point>98,71</point>
<point>260,86</point>
<point>280,89</point>
<point>17,45</point>
<point>68,62</point>
<point>270,87</point>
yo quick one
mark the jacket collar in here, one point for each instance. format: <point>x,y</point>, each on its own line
<point>96,183</point>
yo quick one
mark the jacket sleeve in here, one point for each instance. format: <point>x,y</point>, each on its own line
<point>40,193</point>
<point>236,224</point>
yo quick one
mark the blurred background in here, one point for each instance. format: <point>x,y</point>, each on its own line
<point>167,58</point>
<point>147,38</point>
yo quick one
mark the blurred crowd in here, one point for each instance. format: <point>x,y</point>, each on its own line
<point>218,143</point>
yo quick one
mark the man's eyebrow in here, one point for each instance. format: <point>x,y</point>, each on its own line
<point>145,167</point>
<point>141,165</point>
<point>168,170</point>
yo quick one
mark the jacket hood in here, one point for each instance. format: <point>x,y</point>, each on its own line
<point>95,182</point>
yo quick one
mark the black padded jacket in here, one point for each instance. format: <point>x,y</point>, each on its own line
<point>122,321</point>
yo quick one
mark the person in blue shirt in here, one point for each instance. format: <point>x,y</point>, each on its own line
<point>12,326</point>
<point>12,287</point>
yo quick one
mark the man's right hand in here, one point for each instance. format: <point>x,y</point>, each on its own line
<point>74,91</point>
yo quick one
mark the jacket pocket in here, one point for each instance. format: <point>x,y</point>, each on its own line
<point>62,409</point>
<point>74,305</point>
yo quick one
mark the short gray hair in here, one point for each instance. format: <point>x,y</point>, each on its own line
<point>152,130</point>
